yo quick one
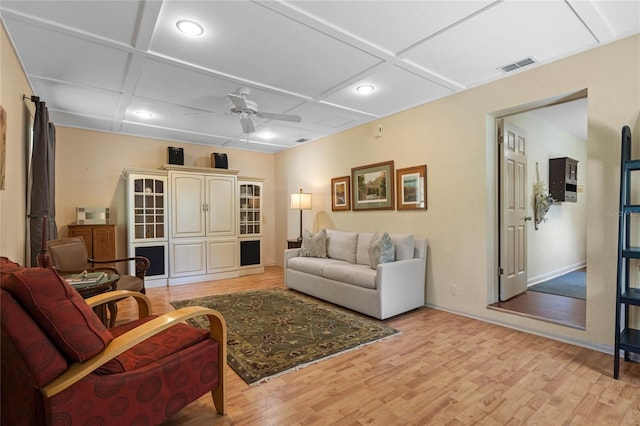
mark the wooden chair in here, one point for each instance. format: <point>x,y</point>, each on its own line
<point>60,365</point>
<point>70,255</point>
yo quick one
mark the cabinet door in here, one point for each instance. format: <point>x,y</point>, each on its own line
<point>188,258</point>
<point>221,202</point>
<point>104,243</point>
<point>187,204</point>
<point>221,255</point>
<point>86,232</point>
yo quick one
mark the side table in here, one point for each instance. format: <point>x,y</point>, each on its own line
<point>108,283</point>
<point>291,244</point>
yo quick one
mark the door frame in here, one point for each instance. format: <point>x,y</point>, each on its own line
<point>492,154</point>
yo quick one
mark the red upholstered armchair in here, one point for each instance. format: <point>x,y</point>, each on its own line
<point>60,365</point>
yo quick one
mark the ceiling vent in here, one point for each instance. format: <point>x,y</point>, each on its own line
<point>517,65</point>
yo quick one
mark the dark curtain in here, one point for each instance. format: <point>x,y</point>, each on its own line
<point>42,197</point>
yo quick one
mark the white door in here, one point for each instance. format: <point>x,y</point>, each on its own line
<point>513,219</point>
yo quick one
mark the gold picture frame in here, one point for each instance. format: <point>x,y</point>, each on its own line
<point>412,188</point>
<point>372,187</point>
<point>341,193</point>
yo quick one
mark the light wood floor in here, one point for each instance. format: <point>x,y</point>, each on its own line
<point>562,310</point>
<point>443,369</point>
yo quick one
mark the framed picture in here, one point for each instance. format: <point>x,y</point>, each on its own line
<point>341,193</point>
<point>412,188</point>
<point>373,187</point>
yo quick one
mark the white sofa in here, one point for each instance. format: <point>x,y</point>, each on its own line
<point>346,278</point>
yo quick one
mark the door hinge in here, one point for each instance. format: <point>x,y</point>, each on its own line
<point>500,271</point>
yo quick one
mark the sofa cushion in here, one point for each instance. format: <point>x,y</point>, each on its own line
<point>168,342</point>
<point>314,245</point>
<point>358,275</point>
<point>310,265</point>
<point>404,245</point>
<point>381,250</point>
<point>342,245</point>
<point>59,310</point>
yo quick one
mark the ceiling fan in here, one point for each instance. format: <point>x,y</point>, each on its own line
<point>247,109</point>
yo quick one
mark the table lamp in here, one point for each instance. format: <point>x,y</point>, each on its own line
<point>301,201</point>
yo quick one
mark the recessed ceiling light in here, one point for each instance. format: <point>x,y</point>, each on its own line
<point>144,114</point>
<point>365,89</point>
<point>266,135</point>
<point>190,28</point>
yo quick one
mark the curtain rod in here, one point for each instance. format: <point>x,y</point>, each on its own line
<point>33,99</point>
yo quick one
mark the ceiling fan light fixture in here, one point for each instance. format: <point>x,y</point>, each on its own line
<point>190,28</point>
<point>267,135</point>
<point>144,114</point>
<point>365,89</point>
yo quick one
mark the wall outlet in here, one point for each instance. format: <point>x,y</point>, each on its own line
<point>453,289</point>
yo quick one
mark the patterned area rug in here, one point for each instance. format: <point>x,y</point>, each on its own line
<point>270,332</point>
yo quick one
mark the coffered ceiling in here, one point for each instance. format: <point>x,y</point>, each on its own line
<point>98,63</point>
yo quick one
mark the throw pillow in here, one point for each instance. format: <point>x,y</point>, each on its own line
<point>404,245</point>
<point>60,311</point>
<point>314,245</point>
<point>381,250</point>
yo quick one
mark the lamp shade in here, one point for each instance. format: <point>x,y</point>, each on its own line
<point>301,201</point>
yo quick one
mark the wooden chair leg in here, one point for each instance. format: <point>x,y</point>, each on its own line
<point>113,313</point>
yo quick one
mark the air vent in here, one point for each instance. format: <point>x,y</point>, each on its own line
<point>517,65</point>
<point>301,140</point>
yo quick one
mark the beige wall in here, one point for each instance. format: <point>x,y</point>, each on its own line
<point>89,166</point>
<point>13,212</point>
<point>454,137</point>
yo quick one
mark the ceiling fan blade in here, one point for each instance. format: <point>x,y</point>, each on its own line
<point>247,125</point>
<point>238,101</point>
<point>283,117</point>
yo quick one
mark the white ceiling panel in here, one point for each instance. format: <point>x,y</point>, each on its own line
<point>250,41</point>
<point>95,63</point>
<point>389,80</point>
<point>327,119</point>
<point>77,99</point>
<point>63,118</point>
<point>62,57</point>
<point>95,17</point>
<point>471,53</point>
<point>377,22</point>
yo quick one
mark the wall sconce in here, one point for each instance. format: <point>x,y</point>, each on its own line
<point>301,201</point>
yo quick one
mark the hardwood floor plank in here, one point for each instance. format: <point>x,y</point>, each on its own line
<point>443,369</point>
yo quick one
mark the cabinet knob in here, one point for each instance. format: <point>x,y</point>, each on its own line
<point>526,218</point>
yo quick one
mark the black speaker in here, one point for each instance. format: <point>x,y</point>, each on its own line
<point>219,161</point>
<point>176,156</point>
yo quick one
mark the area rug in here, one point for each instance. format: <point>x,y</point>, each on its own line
<point>270,332</point>
<point>573,284</point>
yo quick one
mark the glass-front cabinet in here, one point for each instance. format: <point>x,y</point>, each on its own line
<point>250,211</point>
<point>149,208</point>
<point>147,222</point>
<point>250,208</point>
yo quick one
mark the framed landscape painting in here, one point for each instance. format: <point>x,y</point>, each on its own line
<point>412,188</point>
<point>373,187</point>
<point>341,193</point>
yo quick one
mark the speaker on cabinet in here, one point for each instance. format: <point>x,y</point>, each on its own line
<point>219,161</point>
<point>176,156</point>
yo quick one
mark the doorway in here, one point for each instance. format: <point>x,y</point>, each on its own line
<point>557,244</point>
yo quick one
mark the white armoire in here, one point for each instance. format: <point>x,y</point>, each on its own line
<point>202,217</point>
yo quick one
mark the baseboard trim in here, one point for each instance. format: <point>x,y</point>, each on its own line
<point>554,274</point>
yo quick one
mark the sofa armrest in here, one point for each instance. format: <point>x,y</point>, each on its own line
<point>290,253</point>
<point>402,279</point>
